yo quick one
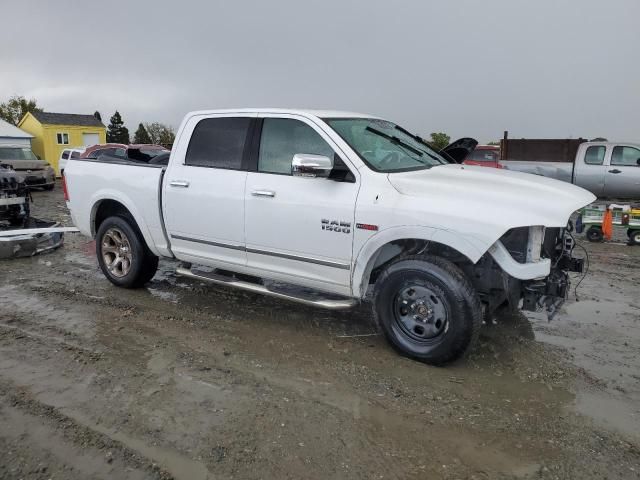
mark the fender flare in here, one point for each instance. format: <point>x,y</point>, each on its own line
<point>365,257</point>
<point>101,195</point>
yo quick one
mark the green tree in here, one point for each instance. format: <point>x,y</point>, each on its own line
<point>16,107</point>
<point>439,140</point>
<point>160,133</point>
<point>141,135</point>
<point>116,131</point>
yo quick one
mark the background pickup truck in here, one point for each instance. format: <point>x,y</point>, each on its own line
<point>604,168</point>
<point>324,208</point>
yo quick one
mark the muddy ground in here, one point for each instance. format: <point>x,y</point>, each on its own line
<point>192,381</point>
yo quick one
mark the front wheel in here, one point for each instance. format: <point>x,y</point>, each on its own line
<point>634,237</point>
<point>123,256</point>
<point>427,309</point>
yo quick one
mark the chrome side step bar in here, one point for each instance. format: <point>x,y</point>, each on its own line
<point>337,303</point>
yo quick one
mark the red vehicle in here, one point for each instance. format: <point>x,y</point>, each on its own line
<point>484,156</point>
<point>135,152</point>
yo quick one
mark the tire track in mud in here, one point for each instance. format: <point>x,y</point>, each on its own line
<point>76,433</point>
<point>364,420</point>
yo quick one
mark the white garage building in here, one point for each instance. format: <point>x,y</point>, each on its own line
<point>11,135</point>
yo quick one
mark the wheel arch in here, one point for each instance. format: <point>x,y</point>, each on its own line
<point>106,206</point>
<point>388,244</point>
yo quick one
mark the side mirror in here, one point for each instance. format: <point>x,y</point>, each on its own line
<point>307,165</point>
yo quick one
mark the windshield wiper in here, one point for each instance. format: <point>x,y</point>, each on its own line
<point>418,138</point>
<point>395,140</point>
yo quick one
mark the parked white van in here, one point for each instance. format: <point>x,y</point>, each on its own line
<point>69,153</point>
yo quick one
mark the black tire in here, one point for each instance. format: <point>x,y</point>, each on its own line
<point>594,234</point>
<point>142,264</point>
<point>634,237</point>
<point>438,286</point>
<point>49,187</point>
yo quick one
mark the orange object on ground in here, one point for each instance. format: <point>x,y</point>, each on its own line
<point>607,224</point>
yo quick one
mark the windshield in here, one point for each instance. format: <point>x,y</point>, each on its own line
<point>384,146</point>
<point>16,153</point>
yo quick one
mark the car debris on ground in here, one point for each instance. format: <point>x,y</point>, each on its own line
<point>20,234</point>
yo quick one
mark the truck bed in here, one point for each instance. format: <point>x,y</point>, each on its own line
<point>137,186</point>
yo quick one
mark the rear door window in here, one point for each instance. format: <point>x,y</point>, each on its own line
<point>75,154</point>
<point>218,143</point>
<point>594,155</point>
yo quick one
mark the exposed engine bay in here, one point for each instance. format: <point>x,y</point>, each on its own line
<point>14,197</point>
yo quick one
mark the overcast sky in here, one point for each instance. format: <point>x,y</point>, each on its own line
<point>545,68</point>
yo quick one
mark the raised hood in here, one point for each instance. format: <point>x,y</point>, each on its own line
<point>487,201</point>
<point>460,149</point>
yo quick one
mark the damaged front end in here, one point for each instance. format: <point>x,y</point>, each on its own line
<point>21,235</point>
<point>14,197</point>
<point>553,247</point>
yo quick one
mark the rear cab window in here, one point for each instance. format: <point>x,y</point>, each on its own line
<point>219,142</point>
<point>65,154</point>
<point>594,155</point>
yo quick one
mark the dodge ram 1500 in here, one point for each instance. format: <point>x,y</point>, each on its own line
<point>322,207</point>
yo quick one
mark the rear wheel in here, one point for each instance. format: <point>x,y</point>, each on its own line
<point>634,237</point>
<point>594,234</point>
<point>122,253</point>
<point>427,308</point>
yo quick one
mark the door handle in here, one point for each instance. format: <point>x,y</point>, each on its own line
<point>179,183</point>
<point>263,193</point>
<point>615,170</point>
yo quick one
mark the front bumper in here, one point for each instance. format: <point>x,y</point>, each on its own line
<point>38,181</point>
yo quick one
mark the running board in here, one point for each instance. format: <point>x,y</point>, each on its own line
<point>336,303</point>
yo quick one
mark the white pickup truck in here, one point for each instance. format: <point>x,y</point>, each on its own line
<point>322,207</point>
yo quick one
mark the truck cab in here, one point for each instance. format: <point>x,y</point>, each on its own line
<point>608,169</point>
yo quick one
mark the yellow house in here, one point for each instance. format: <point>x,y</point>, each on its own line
<point>53,132</point>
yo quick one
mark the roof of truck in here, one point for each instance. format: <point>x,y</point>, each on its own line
<point>613,144</point>
<point>293,111</point>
